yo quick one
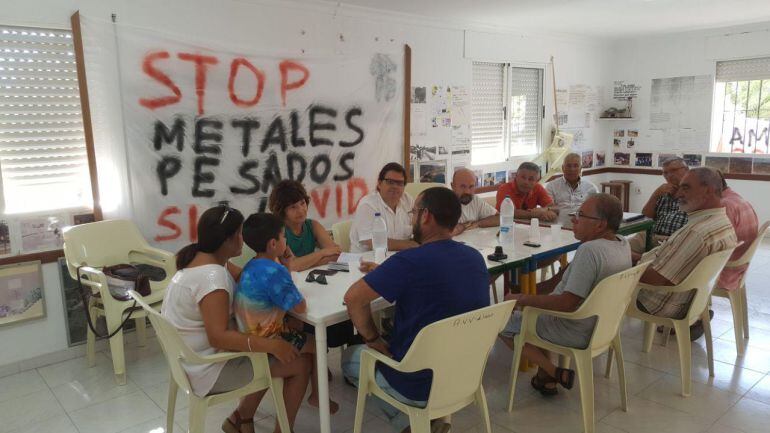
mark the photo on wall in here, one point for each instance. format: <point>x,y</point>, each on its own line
<point>721,163</point>
<point>663,157</point>
<point>489,179</point>
<point>21,292</point>
<point>643,159</point>
<point>622,158</point>
<point>761,166</point>
<point>422,152</point>
<point>433,171</point>
<point>5,238</point>
<point>601,159</point>
<point>511,175</point>
<point>587,159</point>
<point>740,165</point>
<point>499,177</point>
<point>692,159</point>
<point>479,177</point>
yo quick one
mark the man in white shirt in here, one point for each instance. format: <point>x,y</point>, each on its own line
<point>393,204</point>
<point>570,190</point>
<point>475,211</point>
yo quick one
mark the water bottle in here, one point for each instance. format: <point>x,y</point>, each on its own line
<point>506,224</point>
<point>379,238</point>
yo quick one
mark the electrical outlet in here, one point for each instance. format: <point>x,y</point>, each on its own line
<point>637,190</point>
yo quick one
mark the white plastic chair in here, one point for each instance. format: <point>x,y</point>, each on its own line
<point>457,368</point>
<point>341,234</point>
<point>177,353</point>
<point>95,245</point>
<point>414,189</point>
<point>738,300</point>
<point>702,279</point>
<point>607,302</point>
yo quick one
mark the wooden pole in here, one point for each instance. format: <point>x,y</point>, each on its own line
<point>85,107</point>
<point>407,109</point>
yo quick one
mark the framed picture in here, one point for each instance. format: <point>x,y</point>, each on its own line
<point>21,292</point>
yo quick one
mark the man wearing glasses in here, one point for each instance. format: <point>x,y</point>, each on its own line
<point>601,254</point>
<point>663,207</point>
<point>393,204</point>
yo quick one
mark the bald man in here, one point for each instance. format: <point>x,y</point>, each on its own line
<point>570,190</point>
<point>475,211</point>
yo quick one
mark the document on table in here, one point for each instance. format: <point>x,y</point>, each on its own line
<point>349,258</point>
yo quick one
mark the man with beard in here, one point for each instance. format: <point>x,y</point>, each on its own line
<point>708,231</point>
<point>438,279</point>
<point>475,211</point>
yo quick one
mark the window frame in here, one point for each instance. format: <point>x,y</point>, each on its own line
<point>717,112</point>
<point>507,109</point>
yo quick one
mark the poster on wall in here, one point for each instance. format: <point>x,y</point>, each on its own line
<point>460,118</point>
<point>663,157</point>
<point>441,113</point>
<point>21,292</point>
<point>212,122</point>
<point>721,163</point>
<point>680,109</point>
<point>761,166</point>
<point>622,90</point>
<point>418,111</point>
<point>692,159</point>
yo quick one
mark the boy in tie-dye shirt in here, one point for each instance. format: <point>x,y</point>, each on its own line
<point>265,292</point>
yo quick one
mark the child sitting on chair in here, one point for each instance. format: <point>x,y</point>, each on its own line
<point>266,292</point>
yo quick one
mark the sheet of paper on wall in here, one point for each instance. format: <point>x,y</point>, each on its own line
<point>562,103</point>
<point>460,109</point>
<point>622,90</point>
<point>679,106</point>
<point>440,99</point>
<point>5,238</point>
<point>41,233</point>
<point>418,120</point>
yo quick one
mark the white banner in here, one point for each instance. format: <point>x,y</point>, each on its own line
<point>204,125</point>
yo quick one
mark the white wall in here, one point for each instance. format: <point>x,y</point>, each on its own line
<point>438,56</point>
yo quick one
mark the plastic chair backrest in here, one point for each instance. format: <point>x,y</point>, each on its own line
<point>456,349</point>
<point>749,253</point>
<point>246,255</point>
<point>703,277</point>
<point>174,348</point>
<point>341,234</point>
<point>100,244</point>
<point>608,302</point>
<point>414,189</point>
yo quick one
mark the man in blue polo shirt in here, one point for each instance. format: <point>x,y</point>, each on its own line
<point>439,279</point>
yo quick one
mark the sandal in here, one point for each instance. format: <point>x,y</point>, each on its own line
<point>567,383</point>
<point>228,426</point>
<point>539,382</point>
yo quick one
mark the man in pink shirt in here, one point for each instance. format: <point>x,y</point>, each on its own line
<point>744,221</point>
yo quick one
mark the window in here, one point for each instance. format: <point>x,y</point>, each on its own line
<point>741,115</point>
<point>507,112</point>
<point>42,146</point>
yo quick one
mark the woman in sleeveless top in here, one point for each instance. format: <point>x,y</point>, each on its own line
<point>198,302</point>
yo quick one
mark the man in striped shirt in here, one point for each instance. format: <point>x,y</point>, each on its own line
<point>708,230</point>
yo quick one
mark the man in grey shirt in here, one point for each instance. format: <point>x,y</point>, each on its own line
<point>603,253</point>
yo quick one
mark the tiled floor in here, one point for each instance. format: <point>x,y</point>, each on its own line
<point>69,397</point>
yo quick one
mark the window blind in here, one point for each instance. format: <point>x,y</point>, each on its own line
<point>488,106</point>
<point>743,70</point>
<point>42,146</point>
<point>526,86</point>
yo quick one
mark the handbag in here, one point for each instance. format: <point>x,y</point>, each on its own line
<point>120,279</point>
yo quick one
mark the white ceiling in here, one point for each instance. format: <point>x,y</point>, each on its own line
<point>610,18</point>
